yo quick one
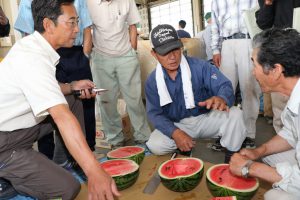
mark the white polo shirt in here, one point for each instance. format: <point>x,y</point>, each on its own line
<point>28,86</point>
<point>110,25</point>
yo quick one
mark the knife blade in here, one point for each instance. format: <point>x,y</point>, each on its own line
<point>153,183</point>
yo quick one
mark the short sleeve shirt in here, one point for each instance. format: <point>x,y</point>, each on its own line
<point>110,25</point>
<point>28,87</point>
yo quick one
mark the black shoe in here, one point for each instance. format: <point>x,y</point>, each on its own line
<point>217,145</point>
<point>7,191</point>
<point>228,155</point>
<point>184,153</point>
<point>249,143</point>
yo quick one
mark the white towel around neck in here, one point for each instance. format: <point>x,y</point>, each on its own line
<point>164,95</point>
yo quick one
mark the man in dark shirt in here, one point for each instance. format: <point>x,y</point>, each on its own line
<point>4,24</point>
<point>182,33</point>
<point>277,13</point>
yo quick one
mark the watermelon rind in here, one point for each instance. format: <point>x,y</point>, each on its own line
<point>224,198</point>
<point>182,183</point>
<point>126,179</point>
<point>218,190</point>
<point>136,157</point>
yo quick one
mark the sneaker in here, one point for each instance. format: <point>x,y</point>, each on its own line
<point>248,143</point>
<point>7,191</point>
<point>217,145</point>
<point>68,164</point>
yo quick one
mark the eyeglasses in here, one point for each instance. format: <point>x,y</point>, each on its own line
<point>73,23</point>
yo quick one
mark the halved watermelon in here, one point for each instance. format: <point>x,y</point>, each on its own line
<point>124,172</point>
<point>181,174</point>
<point>134,153</point>
<point>221,182</point>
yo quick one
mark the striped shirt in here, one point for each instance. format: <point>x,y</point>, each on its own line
<point>227,19</point>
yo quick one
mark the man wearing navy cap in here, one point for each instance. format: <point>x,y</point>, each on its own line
<point>188,98</point>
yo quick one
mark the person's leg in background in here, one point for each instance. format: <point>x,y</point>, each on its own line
<point>129,78</point>
<point>46,145</point>
<point>104,76</point>
<point>61,155</point>
<point>250,89</point>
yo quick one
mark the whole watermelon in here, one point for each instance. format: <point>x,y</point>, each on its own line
<point>181,174</point>
<point>221,182</point>
<point>134,153</point>
<point>124,172</point>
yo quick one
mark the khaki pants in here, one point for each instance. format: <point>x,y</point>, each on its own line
<point>120,74</point>
<point>30,172</point>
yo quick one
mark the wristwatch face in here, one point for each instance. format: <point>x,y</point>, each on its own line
<point>245,171</point>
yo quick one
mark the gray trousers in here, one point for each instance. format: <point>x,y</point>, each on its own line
<point>30,172</point>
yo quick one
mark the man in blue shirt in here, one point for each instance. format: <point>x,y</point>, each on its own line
<point>73,66</point>
<point>188,98</point>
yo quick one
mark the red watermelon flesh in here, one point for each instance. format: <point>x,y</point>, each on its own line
<point>222,176</point>
<point>119,167</point>
<point>180,167</point>
<point>134,153</point>
<point>124,152</point>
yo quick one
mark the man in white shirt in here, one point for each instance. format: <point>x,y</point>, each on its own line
<point>29,94</point>
<point>276,68</point>
<point>231,46</point>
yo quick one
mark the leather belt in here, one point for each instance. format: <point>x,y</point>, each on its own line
<point>237,36</point>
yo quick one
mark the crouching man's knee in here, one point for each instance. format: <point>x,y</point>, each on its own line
<point>72,190</point>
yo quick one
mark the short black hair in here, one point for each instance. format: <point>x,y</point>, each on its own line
<point>182,23</point>
<point>42,9</point>
<point>279,46</point>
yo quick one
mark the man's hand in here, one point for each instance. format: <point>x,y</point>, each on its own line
<point>83,86</point>
<point>215,103</point>
<point>101,186</point>
<point>268,2</point>
<point>251,154</point>
<point>183,141</point>
<point>237,162</point>
<point>217,60</point>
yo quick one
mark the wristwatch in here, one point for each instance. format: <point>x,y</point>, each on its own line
<point>245,169</point>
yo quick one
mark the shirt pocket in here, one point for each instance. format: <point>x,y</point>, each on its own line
<point>121,20</point>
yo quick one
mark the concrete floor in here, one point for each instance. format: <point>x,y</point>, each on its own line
<point>264,132</point>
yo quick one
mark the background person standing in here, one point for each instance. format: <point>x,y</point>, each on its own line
<point>115,67</point>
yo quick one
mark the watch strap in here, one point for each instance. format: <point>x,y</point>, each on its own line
<point>246,167</point>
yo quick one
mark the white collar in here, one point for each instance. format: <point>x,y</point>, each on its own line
<point>48,48</point>
<point>294,101</point>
